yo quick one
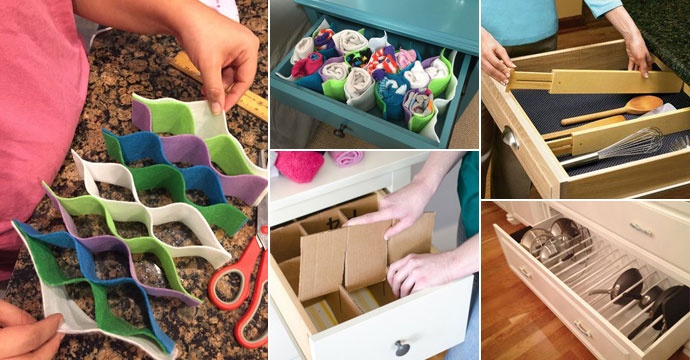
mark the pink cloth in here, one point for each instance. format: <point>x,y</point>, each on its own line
<point>299,166</point>
<point>405,58</point>
<point>43,80</point>
<point>346,158</point>
<point>308,66</point>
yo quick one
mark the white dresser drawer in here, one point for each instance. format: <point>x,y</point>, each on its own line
<point>596,320</point>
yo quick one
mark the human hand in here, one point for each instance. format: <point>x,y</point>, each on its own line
<point>406,205</point>
<point>638,55</point>
<point>417,272</point>
<point>495,59</point>
<point>22,337</point>
<point>224,51</point>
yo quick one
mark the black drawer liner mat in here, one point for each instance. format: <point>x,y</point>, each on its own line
<point>546,112</point>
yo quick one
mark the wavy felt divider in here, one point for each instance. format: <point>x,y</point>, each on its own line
<point>168,115</point>
<point>183,148</point>
<point>89,205</point>
<point>50,274</point>
<point>441,103</point>
<point>116,174</point>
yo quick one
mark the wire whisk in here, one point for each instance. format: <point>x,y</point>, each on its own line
<point>643,141</point>
<point>680,143</point>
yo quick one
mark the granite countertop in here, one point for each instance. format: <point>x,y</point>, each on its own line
<point>665,26</point>
<point>122,63</point>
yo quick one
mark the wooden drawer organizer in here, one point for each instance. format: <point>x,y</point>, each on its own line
<point>624,177</point>
<point>596,320</point>
<point>322,274</point>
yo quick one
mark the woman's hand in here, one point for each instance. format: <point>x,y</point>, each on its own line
<point>225,52</point>
<point>638,55</point>
<point>22,337</point>
<point>417,272</point>
<point>495,59</point>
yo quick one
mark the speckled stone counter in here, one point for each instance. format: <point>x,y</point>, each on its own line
<point>122,63</point>
<point>665,26</point>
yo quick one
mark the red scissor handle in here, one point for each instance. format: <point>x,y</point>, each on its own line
<point>243,267</point>
<point>261,280</point>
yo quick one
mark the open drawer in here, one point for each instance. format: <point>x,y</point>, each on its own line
<point>329,284</point>
<point>525,115</point>
<point>602,323</point>
<point>371,126</point>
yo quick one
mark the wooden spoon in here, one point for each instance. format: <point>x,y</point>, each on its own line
<point>637,105</point>
<point>593,124</point>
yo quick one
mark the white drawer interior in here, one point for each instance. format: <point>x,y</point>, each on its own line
<point>596,263</point>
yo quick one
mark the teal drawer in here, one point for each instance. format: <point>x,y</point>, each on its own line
<point>371,126</point>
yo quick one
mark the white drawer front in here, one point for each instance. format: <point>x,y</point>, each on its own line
<point>430,321</point>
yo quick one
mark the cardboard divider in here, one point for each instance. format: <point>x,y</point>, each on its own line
<point>323,221</point>
<point>373,296</point>
<point>290,269</point>
<point>285,241</point>
<point>364,205</point>
<point>331,309</point>
<point>414,240</point>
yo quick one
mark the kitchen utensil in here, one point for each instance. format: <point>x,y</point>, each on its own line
<point>563,244</point>
<point>538,243</point>
<point>680,143</point>
<point>643,141</point>
<point>649,296</point>
<point>565,226</point>
<point>593,124</point>
<point>673,303</point>
<point>622,285</point>
<point>528,238</point>
<point>257,249</point>
<point>637,105</point>
<point>548,252</point>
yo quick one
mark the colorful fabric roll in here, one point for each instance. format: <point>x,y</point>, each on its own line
<point>303,48</point>
<point>334,73</point>
<point>405,58</point>
<point>299,166</point>
<point>358,59</point>
<point>382,62</point>
<point>343,159</point>
<point>359,89</point>
<point>347,41</point>
<point>419,108</point>
<point>308,66</point>
<point>417,77</point>
<point>390,92</point>
<point>323,39</point>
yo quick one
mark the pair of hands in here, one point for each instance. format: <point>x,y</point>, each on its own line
<point>22,337</point>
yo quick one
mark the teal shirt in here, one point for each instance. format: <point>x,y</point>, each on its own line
<point>513,22</point>
<point>468,193</point>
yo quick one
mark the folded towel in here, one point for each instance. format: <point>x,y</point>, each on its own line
<point>375,44</point>
<point>419,108</point>
<point>437,69</point>
<point>347,41</point>
<point>417,77</point>
<point>382,62</point>
<point>390,92</point>
<point>358,58</point>
<point>303,48</point>
<point>323,39</point>
<point>299,166</point>
<point>346,158</point>
<point>333,74</point>
<point>359,89</point>
<point>307,66</point>
<point>405,58</point>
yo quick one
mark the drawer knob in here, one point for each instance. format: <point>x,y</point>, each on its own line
<point>402,348</point>
<point>582,329</point>
<point>641,229</point>
<point>509,138</point>
<point>525,272</point>
<point>341,131</point>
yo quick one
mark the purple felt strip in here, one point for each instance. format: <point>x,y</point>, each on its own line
<point>141,115</point>
<point>427,62</point>
<point>329,61</point>
<point>108,242</point>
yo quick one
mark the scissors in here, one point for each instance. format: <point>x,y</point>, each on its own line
<point>256,249</point>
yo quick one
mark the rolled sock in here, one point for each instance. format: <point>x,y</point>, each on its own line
<point>303,48</point>
<point>308,66</point>
<point>347,41</point>
<point>299,166</point>
<point>324,39</point>
<point>346,158</point>
<point>359,89</point>
<point>336,70</point>
<point>358,58</point>
<point>405,58</point>
<point>417,77</point>
<point>437,69</point>
<point>382,62</point>
<point>375,44</point>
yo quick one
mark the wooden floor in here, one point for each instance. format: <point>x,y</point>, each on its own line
<point>515,323</point>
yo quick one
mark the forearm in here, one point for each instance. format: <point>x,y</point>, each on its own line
<point>621,20</point>
<point>437,165</point>
<point>465,258</point>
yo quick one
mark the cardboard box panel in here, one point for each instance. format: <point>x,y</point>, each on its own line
<point>364,205</point>
<point>366,254</point>
<point>290,269</point>
<point>323,221</point>
<point>285,241</point>
<point>322,263</point>
<point>414,240</point>
<point>332,309</point>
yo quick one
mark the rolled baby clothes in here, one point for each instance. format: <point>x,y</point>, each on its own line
<point>333,75</point>
<point>299,166</point>
<point>390,92</point>
<point>419,108</point>
<point>417,77</point>
<point>359,89</point>
<point>375,44</point>
<point>343,159</point>
<point>347,41</point>
<point>382,62</point>
<point>358,59</point>
<point>405,58</point>
<point>323,39</point>
<point>308,66</point>
<point>303,48</point>
<point>439,70</point>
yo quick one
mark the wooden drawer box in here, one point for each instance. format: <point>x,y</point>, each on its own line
<point>625,177</point>
<point>371,126</point>
<point>596,320</point>
<point>321,273</point>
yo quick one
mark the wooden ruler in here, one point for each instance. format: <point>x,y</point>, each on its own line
<point>250,101</point>
<point>596,82</point>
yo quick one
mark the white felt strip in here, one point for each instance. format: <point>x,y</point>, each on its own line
<point>441,103</point>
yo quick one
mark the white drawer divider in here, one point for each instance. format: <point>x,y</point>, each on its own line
<point>584,260</point>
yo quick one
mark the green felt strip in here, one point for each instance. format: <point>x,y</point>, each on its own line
<point>169,116</point>
<point>437,86</point>
<point>379,101</point>
<point>334,89</point>
<point>49,271</point>
<point>418,122</point>
<point>91,205</point>
<point>225,152</point>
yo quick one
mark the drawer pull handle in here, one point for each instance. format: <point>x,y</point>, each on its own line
<point>509,138</point>
<point>340,132</point>
<point>525,272</point>
<point>582,330</point>
<point>402,348</point>
<point>641,229</point>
